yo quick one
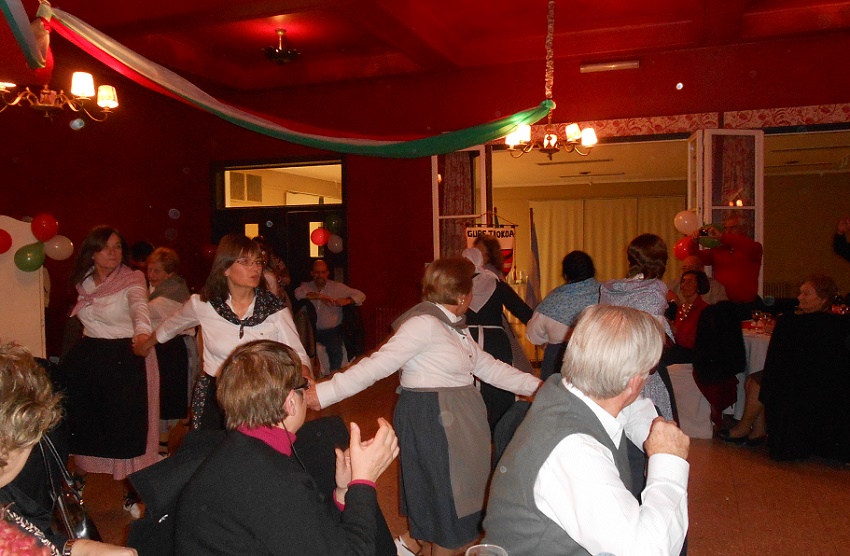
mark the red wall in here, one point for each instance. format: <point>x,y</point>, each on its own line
<point>155,153</point>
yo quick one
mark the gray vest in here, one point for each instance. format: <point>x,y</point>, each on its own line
<point>513,520</point>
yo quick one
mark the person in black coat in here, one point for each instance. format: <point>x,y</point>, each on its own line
<point>253,495</point>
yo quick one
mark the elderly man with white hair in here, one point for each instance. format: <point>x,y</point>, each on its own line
<point>564,485</point>
<point>716,290</point>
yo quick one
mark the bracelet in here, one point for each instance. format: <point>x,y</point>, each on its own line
<point>69,545</point>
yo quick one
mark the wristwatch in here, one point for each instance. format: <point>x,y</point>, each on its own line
<point>69,545</point>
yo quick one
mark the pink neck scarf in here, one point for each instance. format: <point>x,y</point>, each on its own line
<point>121,278</point>
<point>276,437</point>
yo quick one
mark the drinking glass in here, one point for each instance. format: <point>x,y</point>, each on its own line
<point>486,550</point>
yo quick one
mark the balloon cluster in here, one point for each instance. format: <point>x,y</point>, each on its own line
<point>687,223</point>
<point>29,258</point>
<point>327,235</point>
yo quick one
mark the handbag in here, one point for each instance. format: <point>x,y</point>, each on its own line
<point>69,513</point>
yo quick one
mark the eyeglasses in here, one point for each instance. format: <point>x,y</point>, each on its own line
<point>251,262</point>
<point>303,386</point>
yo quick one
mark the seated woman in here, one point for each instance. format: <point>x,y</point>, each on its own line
<point>556,315</point>
<point>252,494</point>
<point>28,409</point>
<point>816,295</point>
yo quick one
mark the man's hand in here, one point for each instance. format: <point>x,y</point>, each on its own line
<point>343,301</point>
<point>312,399</point>
<point>666,438</point>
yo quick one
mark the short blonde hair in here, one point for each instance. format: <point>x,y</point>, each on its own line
<point>610,345</point>
<point>447,279</point>
<point>28,405</point>
<point>254,381</point>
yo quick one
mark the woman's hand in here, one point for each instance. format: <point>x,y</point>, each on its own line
<point>370,458</point>
<point>85,547</point>
<point>140,346</point>
<point>343,473</point>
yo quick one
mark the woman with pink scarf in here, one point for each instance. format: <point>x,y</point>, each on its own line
<point>113,394</point>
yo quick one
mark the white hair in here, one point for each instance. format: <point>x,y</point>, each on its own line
<point>610,345</point>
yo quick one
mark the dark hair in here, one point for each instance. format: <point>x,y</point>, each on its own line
<point>94,242</point>
<point>140,251</point>
<point>703,285</point>
<point>447,279</point>
<point>647,255</point>
<point>230,248</point>
<point>168,258</point>
<point>494,251</point>
<point>577,266</point>
<point>825,288</point>
<point>254,381</point>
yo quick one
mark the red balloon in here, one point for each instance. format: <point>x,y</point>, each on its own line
<point>44,226</point>
<point>320,236</point>
<point>682,248</point>
<point>5,241</point>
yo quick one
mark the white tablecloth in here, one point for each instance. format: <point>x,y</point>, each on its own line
<point>756,348</point>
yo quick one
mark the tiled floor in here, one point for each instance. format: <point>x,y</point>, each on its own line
<point>741,502</point>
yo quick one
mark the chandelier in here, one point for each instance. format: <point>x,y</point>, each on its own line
<point>572,137</point>
<point>50,102</point>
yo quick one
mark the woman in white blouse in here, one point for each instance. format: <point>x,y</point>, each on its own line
<point>440,417</point>
<point>113,395</point>
<point>234,308</point>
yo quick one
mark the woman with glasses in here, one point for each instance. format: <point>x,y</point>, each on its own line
<point>254,495</point>
<point>233,308</point>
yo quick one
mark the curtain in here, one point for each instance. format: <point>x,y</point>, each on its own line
<point>457,196</point>
<point>602,228</point>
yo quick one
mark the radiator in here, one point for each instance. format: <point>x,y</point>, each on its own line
<point>780,289</point>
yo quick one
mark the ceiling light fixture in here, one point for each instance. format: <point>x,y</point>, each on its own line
<point>552,141</point>
<point>283,53</point>
<point>609,66</point>
<point>50,102</point>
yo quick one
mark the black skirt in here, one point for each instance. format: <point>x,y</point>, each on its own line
<point>173,359</point>
<point>107,399</point>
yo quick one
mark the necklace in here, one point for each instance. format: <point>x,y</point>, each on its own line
<point>683,311</point>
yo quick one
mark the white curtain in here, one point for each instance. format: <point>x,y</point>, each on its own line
<point>602,228</point>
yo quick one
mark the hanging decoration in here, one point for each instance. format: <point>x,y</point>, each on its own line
<point>29,258</point>
<point>335,244</point>
<point>58,248</point>
<point>44,226</point>
<point>320,236</point>
<point>5,241</point>
<point>161,80</point>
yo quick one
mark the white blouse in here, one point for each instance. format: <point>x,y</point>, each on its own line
<point>430,354</point>
<point>121,315</point>
<point>220,337</point>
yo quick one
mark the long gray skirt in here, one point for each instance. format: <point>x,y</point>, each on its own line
<point>445,462</point>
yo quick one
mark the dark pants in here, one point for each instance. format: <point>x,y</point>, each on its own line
<point>333,342</point>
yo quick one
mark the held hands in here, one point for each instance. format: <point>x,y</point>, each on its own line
<point>86,547</point>
<point>140,346</point>
<point>370,458</point>
<point>843,226</point>
<point>312,398</point>
<point>666,438</point>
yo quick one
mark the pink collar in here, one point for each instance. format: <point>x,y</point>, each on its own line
<point>276,437</point>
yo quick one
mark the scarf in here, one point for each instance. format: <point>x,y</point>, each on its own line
<point>483,283</point>
<point>277,438</point>
<point>173,288</point>
<point>429,308</point>
<point>121,278</point>
<point>265,305</point>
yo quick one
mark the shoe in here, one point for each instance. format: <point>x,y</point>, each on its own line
<point>133,507</point>
<point>726,436</point>
<point>79,482</point>
<point>403,550</point>
<point>754,442</point>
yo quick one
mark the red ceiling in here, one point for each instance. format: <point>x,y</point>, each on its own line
<point>220,41</point>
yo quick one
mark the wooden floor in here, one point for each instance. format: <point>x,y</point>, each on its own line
<point>741,502</point>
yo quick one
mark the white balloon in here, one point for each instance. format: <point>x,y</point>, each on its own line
<point>335,244</point>
<point>58,248</point>
<point>686,222</point>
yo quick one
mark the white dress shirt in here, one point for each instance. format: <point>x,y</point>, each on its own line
<point>121,315</point>
<point>430,354</point>
<point>329,316</point>
<point>220,337</point>
<point>580,489</point>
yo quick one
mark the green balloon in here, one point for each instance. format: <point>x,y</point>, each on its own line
<point>333,223</point>
<point>29,258</point>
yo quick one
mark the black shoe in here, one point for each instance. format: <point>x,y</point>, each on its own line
<point>753,442</point>
<point>726,436</point>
